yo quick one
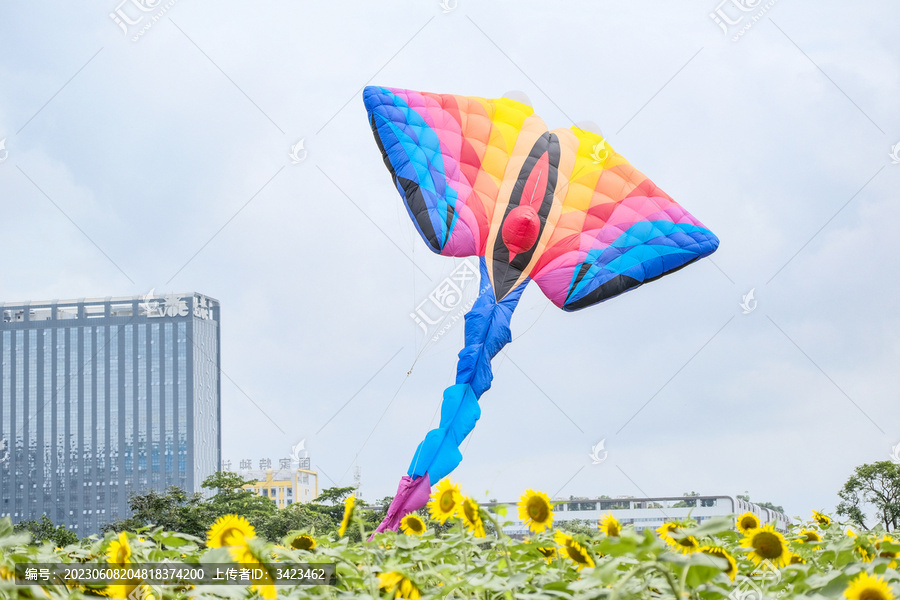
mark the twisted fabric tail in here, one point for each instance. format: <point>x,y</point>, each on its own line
<point>487,331</point>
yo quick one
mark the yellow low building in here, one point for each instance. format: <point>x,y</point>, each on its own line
<point>284,486</point>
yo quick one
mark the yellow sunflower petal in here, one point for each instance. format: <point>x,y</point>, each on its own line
<point>535,510</point>
<point>444,501</point>
<point>230,530</point>
<point>412,524</point>
<point>767,544</point>
<point>867,587</point>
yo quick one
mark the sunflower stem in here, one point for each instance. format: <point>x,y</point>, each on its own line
<point>668,575</point>
<point>621,584</point>
<point>682,583</point>
<point>366,556</point>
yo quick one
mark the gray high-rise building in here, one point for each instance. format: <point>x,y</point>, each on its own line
<point>103,397</point>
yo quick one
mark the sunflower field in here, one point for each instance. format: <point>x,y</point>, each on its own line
<point>458,550</point>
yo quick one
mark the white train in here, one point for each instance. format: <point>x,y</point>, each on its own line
<point>647,512</point>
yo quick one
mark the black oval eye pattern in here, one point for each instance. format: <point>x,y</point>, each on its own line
<point>526,214</point>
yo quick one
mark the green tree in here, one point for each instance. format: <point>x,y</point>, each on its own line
<point>872,487</point>
<point>576,526</point>
<point>296,517</point>
<point>177,510</point>
<point>231,498</point>
<point>686,503</point>
<point>331,502</point>
<point>43,530</point>
<point>746,498</point>
<point>334,495</point>
<point>173,510</point>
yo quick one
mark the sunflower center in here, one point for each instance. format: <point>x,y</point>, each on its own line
<point>748,523</point>
<point>575,554</point>
<point>872,594</point>
<point>469,510</point>
<point>122,555</point>
<point>447,501</point>
<point>688,542</point>
<point>302,543</point>
<point>538,510</point>
<point>767,545</point>
<point>613,530</point>
<point>415,525</point>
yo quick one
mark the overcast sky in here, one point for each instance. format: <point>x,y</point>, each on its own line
<point>163,161</point>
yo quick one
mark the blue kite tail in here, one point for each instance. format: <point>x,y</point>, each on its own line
<point>487,331</point>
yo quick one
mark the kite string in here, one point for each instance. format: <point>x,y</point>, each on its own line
<point>384,412</point>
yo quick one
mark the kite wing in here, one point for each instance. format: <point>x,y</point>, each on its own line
<point>448,156</point>
<point>615,231</point>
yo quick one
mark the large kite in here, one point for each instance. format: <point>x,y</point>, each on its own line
<point>486,178</point>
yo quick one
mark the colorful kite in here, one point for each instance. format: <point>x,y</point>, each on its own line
<point>486,178</point>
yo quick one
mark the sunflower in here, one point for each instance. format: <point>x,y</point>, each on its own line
<point>683,543</point>
<point>686,544</point>
<point>575,551</point>
<point>884,552</point>
<point>444,501</point>
<point>230,530</point>
<point>767,544</point>
<point>471,517</point>
<point>246,558</point>
<point>349,506</point>
<point>126,589</point>
<point>822,520</point>
<point>303,542</point>
<point>535,510</point>
<point>548,553</point>
<point>610,526</point>
<point>402,586</point>
<point>119,551</point>
<point>412,524</point>
<point>864,554</point>
<point>747,521</point>
<point>665,531</point>
<point>810,536</point>
<point>867,587</point>
<point>796,559</point>
<point>720,552</point>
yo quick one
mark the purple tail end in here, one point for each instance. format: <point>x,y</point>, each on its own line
<point>412,494</point>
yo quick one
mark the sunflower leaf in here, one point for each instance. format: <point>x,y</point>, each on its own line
<point>713,526</point>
